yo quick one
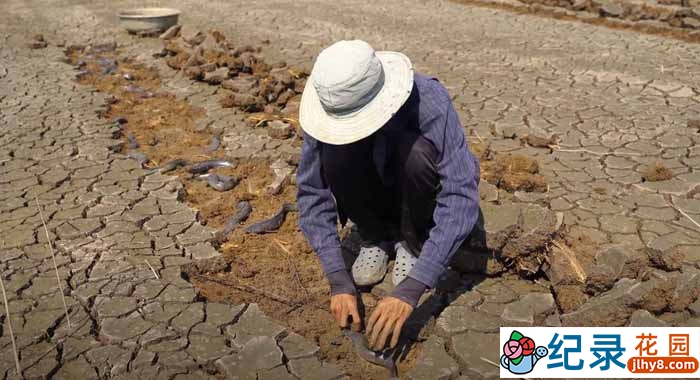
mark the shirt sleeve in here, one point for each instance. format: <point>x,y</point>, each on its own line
<point>318,218</point>
<point>457,206</point>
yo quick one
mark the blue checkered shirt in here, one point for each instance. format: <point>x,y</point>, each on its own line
<point>457,202</point>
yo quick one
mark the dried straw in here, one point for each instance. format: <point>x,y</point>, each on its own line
<point>53,257</point>
<point>9,324</point>
<point>152,270</point>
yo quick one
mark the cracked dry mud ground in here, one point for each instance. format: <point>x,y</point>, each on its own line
<point>619,101</point>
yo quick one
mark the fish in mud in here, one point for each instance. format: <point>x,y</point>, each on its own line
<point>219,182</point>
<point>133,144</point>
<point>272,224</point>
<point>139,156</point>
<point>243,210</point>
<point>205,166</point>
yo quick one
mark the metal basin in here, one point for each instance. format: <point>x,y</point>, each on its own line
<point>148,19</point>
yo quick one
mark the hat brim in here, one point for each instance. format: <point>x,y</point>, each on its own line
<point>330,129</point>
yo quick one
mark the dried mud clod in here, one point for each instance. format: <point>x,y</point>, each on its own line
<point>539,141</point>
<point>657,172</point>
<point>510,172</point>
<point>37,42</point>
<point>514,173</point>
<point>248,82</point>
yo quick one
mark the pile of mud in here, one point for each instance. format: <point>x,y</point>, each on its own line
<point>613,286</point>
<point>652,18</point>
<point>247,81</point>
<point>510,172</point>
<point>656,171</point>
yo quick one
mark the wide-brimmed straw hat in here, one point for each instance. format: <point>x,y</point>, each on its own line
<point>353,91</point>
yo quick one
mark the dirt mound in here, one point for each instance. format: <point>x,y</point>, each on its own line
<point>545,8</point>
<point>657,172</point>
<point>37,42</point>
<point>247,81</point>
<point>539,141</point>
<point>515,173</point>
<point>510,172</point>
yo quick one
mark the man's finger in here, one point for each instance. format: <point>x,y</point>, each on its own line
<point>398,326</point>
<point>343,317</point>
<point>373,319</point>
<point>377,330</point>
<point>334,313</point>
<point>338,320</point>
<point>386,330</point>
<point>356,322</point>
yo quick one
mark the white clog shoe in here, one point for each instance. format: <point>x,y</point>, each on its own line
<point>403,264</point>
<point>370,266</point>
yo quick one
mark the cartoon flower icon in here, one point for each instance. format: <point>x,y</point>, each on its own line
<point>513,349</point>
<point>520,354</point>
<point>528,345</point>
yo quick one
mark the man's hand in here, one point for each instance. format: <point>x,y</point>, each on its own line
<point>387,318</point>
<point>344,306</point>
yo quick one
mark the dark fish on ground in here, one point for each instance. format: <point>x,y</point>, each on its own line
<point>101,48</point>
<point>243,210</point>
<point>219,182</point>
<point>172,165</point>
<point>205,166</point>
<point>214,144</point>
<point>105,62</point>
<point>139,156</point>
<point>272,224</point>
<point>138,91</point>
<point>133,144</point>
<point>168,166</point>
<point>383,359</point>
<point>108,65</point>
<point>108,70</point>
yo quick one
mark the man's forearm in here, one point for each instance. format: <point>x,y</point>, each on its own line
<point>331,259</point>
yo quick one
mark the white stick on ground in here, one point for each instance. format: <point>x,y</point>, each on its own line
<point>601,154</point>
<point>476,134</point>
<point>490,362</point>
<point>685,214</point>
<point>495,364</point>
<point>53,257</point>
<point>9,324</point>
<point>152,270</point>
